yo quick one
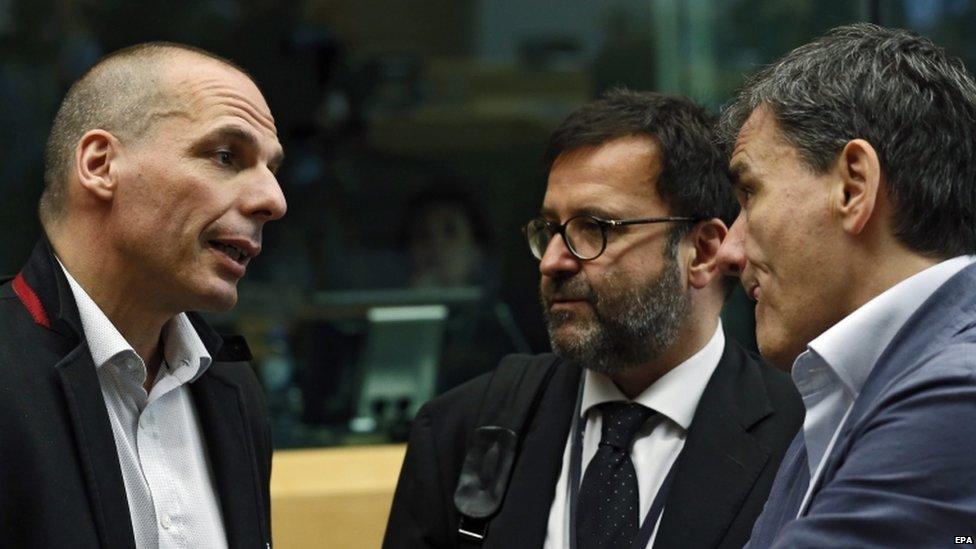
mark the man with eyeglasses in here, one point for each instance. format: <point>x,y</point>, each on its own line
<point>653,429</point>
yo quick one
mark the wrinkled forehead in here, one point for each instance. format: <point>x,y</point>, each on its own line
<point>761,118</point>
<point>210,88</point>
<point>761,142</point>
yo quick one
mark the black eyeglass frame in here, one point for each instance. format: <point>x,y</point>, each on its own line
<point>555,228</point>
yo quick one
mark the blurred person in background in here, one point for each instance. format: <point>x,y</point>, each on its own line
<point>446,238</point>
<point>853,162</point>
<point>126,421</point>
<point>677,431</point>
<point>449,246</point>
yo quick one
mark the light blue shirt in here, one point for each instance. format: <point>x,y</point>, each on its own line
<point>831,372</point>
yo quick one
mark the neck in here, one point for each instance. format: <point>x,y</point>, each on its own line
<point>881,270</point>
<point>692,337</point>
<point>120,295</point>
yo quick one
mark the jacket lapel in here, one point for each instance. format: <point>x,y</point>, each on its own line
<point>217,397</point>
<point>720,461</point>
<point>96,448</point>
<point>524,517</point>
<point>947,312</point>
<point>220,407</point>
<point>44,291</point>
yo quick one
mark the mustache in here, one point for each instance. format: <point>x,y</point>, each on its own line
<point>571,288</point>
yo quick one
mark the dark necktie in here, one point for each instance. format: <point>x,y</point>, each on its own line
<point>609,503</point>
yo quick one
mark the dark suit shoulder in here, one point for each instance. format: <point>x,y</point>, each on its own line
<point>423,512</point>
<point>781,391</point>
<point>460,406</point>
<point>462,398</point>
<point>761,393</point>
<point>746,418</point>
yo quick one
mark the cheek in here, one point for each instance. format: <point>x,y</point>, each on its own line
<point>769,227</point>
<point>166,214</point>
<point>783,239</point>
<point>603,280</point>
<point>792,300</point>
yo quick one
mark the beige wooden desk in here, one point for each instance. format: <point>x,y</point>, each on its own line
<point>334,497</point>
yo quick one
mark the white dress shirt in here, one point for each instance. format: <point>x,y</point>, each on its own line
<point>168,481</point>
<point>831,372</point>
<point>657,444</point>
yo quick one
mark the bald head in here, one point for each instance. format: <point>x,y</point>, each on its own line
<point>123,94</point>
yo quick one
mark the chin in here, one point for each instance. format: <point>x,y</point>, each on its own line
<point>780,351</point>
<point>570,336</point>
<point>222,305</point>
<point>773,346</point>
<point>217,299</point>
<point>781,360</point>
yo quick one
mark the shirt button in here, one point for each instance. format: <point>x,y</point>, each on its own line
<point>166,522</point>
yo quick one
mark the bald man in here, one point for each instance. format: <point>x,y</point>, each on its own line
<point>126,421</point>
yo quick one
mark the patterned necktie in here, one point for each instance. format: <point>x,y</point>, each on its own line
<point>609,504</point>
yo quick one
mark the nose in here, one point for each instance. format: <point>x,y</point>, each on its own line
<point>557,260</point>
<point>732,253</point>
<point>265,200</point>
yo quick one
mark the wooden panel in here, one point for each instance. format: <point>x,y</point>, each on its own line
<point>334,497</point>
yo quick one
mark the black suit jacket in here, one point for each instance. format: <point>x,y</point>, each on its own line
<point>745,420</point>
<point>60,480</point>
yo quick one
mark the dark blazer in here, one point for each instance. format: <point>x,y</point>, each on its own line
<point>747,416</point>
<point>901,472</point>
<point>60,480</point>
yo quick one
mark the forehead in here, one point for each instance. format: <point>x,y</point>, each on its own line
<point>760,145</point>
<point>210,91</point>
<point>618,177</point>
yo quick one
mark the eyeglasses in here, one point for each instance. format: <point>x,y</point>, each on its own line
<point>584,235</point>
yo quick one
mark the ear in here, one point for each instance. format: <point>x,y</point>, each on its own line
<point>706,239</point>
<point>94,157</point>
<point>856,193</point>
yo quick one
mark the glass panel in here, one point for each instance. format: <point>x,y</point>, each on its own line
<point>413,131</point>
<point>947,22</point>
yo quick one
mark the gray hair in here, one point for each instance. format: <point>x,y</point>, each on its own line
<point>904,95</point>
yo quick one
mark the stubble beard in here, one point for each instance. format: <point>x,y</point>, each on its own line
<point>627,326</point>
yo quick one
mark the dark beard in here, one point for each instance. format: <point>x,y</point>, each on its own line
<point>629,326</point>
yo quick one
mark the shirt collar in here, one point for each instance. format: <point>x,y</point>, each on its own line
<point>185,353</point>
<point>852,346</point>
<point>675,395</point>
<point>182,347</point>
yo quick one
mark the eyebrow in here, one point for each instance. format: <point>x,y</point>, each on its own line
<point>236,133</point>
<point>738,170</point>
<point>591,211</point>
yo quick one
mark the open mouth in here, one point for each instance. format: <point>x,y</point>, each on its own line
<point>231,251</point>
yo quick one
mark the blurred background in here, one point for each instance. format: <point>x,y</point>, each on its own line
<point>414,131</point>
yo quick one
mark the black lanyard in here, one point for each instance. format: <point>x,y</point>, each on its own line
<point>575,472</point>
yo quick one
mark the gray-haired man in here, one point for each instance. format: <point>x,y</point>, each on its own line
<point>854,166</point>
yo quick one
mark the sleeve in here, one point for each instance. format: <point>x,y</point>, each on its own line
<point>909,477</point>
<point>422,510</point>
